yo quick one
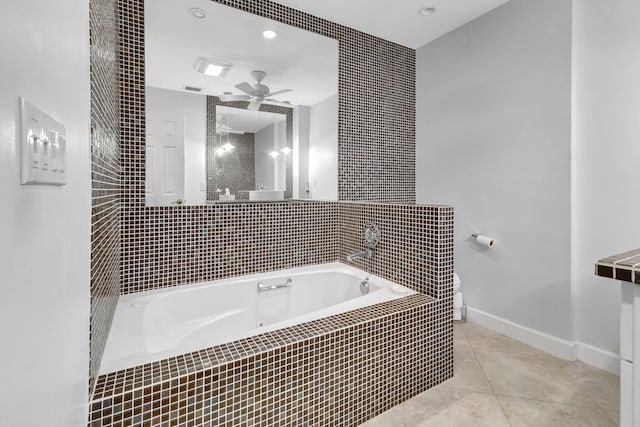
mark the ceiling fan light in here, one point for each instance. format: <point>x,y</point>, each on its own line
<point>427,10</point>
<point>227,147</point>
<point>220,151</point>
<point>212,67</point>
<point>198,13</point>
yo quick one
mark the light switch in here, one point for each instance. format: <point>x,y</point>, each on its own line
<point>42,147</point>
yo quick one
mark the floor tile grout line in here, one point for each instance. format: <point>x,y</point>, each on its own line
<point>573,405</point>
<point>594,402</point>
<point>506,417</point>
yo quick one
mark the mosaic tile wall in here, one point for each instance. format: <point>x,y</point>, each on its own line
<point>416,245</point>
<point>322,372</point>
<point>105,177</point>
<point>376,132</point>
<point>341,370</point>
<point>193,244</point>
<point>211,158</point>
<point>376,157</point>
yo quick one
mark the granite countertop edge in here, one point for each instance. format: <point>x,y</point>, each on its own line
<point>624,266</point>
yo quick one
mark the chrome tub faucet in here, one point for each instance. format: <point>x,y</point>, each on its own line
<point>364,254</point>
<point>371,237</point>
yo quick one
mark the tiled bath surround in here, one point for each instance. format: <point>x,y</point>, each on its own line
<point>340,370</point>
<point>105,176</point>
<point>325,372</point>
<point>376,158</point>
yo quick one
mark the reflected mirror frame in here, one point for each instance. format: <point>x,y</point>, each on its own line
<point>215,184</point>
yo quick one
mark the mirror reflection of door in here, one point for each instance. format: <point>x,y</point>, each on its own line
<point>164,160</point>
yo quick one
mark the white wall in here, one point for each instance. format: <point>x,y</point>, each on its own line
<point>193,108</point>
<point>280,162</point>
<point>323,149</point>
<point>301,152</point>
<point>264,163</point>
<point>45,231</point>
<point>607,154</point>
<point>494,140</point>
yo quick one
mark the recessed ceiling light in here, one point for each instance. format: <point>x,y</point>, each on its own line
<point>269,34</point>
<point>198,13</point>
<point>212,67</point>
<point>427,10</point>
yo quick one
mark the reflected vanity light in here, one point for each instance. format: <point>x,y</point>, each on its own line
<point>286,150</point>
<point>274,154</point>
<point>226,148</point>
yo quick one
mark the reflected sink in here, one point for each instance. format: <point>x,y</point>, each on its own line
<point>263,195</point>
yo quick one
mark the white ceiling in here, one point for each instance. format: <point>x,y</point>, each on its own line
<point>246,120</point>
<point>397,20</point>
<point>297,59</point>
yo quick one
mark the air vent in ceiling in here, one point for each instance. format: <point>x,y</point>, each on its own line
<point>193,89</point>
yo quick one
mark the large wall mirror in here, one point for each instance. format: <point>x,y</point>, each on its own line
<point>238,107</point>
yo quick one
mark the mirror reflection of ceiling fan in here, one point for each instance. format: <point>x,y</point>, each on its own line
<point>256,94</point>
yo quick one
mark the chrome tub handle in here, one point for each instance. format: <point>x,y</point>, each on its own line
<point>263,287</point>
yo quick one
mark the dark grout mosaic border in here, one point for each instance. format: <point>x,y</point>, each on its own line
<point>211,158</point>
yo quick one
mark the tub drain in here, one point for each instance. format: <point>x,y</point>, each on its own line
<point>260,324</point>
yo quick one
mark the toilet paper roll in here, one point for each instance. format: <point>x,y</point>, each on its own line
<point>485,241</point>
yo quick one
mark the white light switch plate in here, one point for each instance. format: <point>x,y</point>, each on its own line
<point>43,147</point>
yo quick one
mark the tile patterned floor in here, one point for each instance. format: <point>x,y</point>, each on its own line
<point>499,381</point>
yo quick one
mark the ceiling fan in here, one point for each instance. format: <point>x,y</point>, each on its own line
<point>256,94</point>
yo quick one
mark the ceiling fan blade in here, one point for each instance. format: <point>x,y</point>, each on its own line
<point>232,98</point>
<point>278,103</point>
<point>246,88</point>
<point>278,92</point>
<point>254,106</point>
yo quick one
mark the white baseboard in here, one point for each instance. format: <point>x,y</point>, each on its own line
<point>598,357</point>
<point>568,350</point>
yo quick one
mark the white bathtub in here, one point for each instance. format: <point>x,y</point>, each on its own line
<point>155,325</point>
